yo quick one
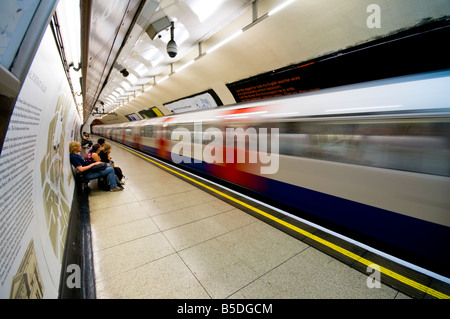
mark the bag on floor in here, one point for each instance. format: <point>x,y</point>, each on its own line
<point>103,183</point>
<point>118,173</point>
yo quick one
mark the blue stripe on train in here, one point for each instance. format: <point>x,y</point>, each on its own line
<point>421,237</point>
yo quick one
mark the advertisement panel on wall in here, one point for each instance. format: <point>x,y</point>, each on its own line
<point>200,101</point>
<point>36,181</point>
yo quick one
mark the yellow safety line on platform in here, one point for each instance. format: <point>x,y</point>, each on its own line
<point>324,242</point>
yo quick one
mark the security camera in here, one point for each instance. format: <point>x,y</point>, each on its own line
<point>124,72</point>
<point>172,48</point>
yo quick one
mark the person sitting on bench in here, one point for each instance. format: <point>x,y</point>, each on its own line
<point>84,167</point>
<point>86,142</point>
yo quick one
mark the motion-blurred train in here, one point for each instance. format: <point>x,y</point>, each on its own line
<point>372,158</point>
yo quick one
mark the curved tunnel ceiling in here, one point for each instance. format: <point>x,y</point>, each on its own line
<point>303,30</point>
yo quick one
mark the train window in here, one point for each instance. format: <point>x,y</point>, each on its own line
<point>181,127</point>
<point>207,139</point>
<point>421,146</point>
<point>169,129</point>
<point>157,131</point>
<point>147,131</point>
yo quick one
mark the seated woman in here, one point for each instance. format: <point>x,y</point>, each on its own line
<point>77,161</point>
<point>105,156</point>
<point>93,155</point>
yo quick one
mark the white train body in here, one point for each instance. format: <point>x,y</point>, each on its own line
<point>371,158</point>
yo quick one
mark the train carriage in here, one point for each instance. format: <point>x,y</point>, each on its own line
<point>372,159</point>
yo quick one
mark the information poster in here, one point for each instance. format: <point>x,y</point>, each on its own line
<point>36,182</point>
<point>201,101</point>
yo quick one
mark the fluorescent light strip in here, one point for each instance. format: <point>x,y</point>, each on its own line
<point>214,48</point>
<point>280,7</point>
<point>163,79</point>
<point>185,66</point>
<point>220,44</point>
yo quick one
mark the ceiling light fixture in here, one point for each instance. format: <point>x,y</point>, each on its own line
<point>214,48</point>
<point>280,7</point>
<point>163,79</point>
<point>172,48</point>
<point>185,65</point>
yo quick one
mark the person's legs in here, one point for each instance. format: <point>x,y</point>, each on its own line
<point>92,175</point>
<point>108,171</point>
<point>111,176</point>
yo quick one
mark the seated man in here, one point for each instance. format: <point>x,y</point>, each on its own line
<point>84,167</point>
<point>86,140</point>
